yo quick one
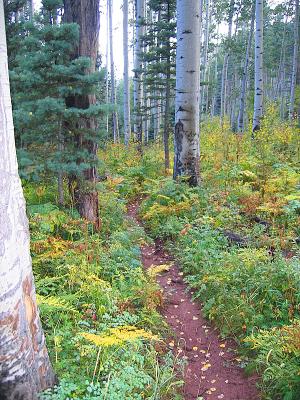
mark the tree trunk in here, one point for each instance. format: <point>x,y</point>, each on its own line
<point>205,56</point>
<point>295,61</point>
<point>86,14</point>
<point>30,9</point>
<point>258,85</point>
<point>241,115</point>
<point>25,365</point>
<point>187,147</point>
<point>138,76</point>
<point>112,76</point>
<point>107,71</point>
<point>226,63</point>
<point>127,126</point>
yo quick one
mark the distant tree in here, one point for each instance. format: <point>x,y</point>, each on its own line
<point>25,365</point>
<point>160,66</point>
<point>138,72</point>
<point>112,74</point>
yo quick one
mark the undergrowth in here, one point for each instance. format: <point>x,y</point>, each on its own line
<point>237,237</point>
<point>98,308</point>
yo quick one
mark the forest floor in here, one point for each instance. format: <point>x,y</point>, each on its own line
<point>212,369</point>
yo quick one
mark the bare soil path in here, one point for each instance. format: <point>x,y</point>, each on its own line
<point>212,371</point>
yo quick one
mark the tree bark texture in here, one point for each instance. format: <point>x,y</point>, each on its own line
<point>258,81</point>
<point>138,74</point>
<point>295,61</point>
<point>241,115</point>
<point>86,14</point>
<point>224,83</point>
<point>25,369</point>
<point>127,126</point>
<point>187,147</point>
<point>112,75</point>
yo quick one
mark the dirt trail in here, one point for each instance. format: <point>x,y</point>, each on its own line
<point>212,371</point>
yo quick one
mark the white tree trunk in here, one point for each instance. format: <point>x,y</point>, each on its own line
<point>107,70</point>
<point>187,147</point>
<point>258,84</point>
<point>205,57</point>
<point>127,126</point>
<point>25,368</point>
<point>241,115</point>
<point>138,67</point>
<point>112,75</point>
<point>224,83</point>
<point>295,61</point>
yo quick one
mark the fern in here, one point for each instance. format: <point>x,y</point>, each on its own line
<point>54,303</point>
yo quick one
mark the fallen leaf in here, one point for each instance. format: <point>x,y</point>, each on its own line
<point>205,367</point>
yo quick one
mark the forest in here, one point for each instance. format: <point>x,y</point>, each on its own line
<point>149,200</point>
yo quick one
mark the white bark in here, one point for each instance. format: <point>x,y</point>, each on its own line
<point>112,75</point>
<point>127,126</point>
<point>107,69</point>
<point>241,115</point>
<point>258,84</point>
<point>187,147</point>
<point>224,83</point>
<point>295,61</point>
<point>204,87</point>
<point>138,67</point>
<point>24,364</point>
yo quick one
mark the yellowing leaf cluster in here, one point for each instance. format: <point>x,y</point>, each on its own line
<point>117,336</point>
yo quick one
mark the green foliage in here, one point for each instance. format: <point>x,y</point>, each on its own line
<point>91,284</point>
<point>277,353</point>
<point>44,75</point>
<point>237,239</point>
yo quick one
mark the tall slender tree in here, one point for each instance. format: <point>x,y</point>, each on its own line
<point>258,84</point>
<point>187,147</point>
<point>25,365</point>
<point>112,75</point>
<point>295,60</point>
<point>127,125</point>
<point>241,114</point>
<point>224,83</point>
<point>138,71</point>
